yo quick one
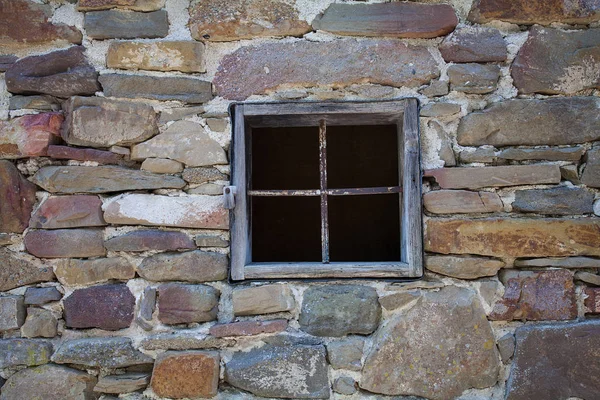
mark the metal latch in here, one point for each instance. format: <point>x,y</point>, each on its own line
<point>229,196</point>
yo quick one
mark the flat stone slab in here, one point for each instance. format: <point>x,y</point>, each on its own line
<point>203,175</point>
<point>550,153</point>
<point>68,212</point>
<point>266,67</point>
<point>184,342</point>
<point>108,307</point>
<point>65,243</point>
<point>124,383</point>
<point>20,270</point>
<point>17,197</point>
<point>109,352</point>
<point>560,201</point>
<point>463,267</point>
<point>184,304</point>
<point>461,202</point>
<point>189,374</point>
<point>144,240</point>
<point>116,24</point>
<point>248,328</point>
<point>587,277</point>
<point>39,102</point>
<point>264,299</point>
<point>468,45</point>
<point>78,154</point>
<point>24,352</point>
<point>473,78</point>
<point>41,295</point>
<point>29,135</point>
<point>74,272</point>
<point>183,56</point>
<point>191,266</point>
<point>566,262</point>
<point>135,5</point>
<point>479,177</point>
<point>528,12</point>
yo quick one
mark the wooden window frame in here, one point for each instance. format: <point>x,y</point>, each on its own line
<point>403,113</point>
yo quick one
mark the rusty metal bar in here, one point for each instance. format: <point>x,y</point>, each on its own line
<point>329,192</point>
<point>270,193</point>
<point>323,187</point>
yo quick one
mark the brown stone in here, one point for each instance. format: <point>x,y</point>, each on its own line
<point>506,237</point>
<point>124,383</point>
<point>588,277</point>
<point>188,374</point>
<point>183,56</point>
<point>175,114</point>
<point>29,135</point>
<point>78,154</point>
<point>108,307</point>
<point>346,354</point>
<point>183,304</point>
<point>468,45</point>
<point>17,196</point>
<point>401,19</point>
<point>184,342</point>
<point>537,70</point>
<point>479,177</point>
<point>112,24</point>
<point>162,166</point>
<point>439,109</point>
<point>210,241</point>
<point>480,155</point>
<point>62,73</point>
<point>474,78</point>
<point>570,173</point>
<point>216,124</point>
<point>39,102</point>
<point>550,153</point>
<point>591,173</point>
<point>567,262</point>
<point>437,88</point>
<point>381,61</point>
<point>461,202</point>
<point>592,300</point>
<point>144,240</point>
<point>192,266</point>
<point>396,300</point>
<point>529,12</point>
<point>263,299</point>
<point>64,243</point>
<point>87,272</point>
<point>560,200</point>
<point>135,5</point>
<point>203,174</point>
<point>20,270</point>
<point>68,212</point>
<point>39,323</point>
<point>463,267</point>
<point>12,312</point>
<point>248,328</point>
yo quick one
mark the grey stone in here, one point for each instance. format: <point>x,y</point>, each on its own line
<point>461,202</point>
<point>294,371</point>
<point>210,189</point>
<point>152,239</point>
<point>40,103</point>
<point>566,262</point>
<point>203,174</point>
<point>426,283</point>
<point>162,166</point>
<point>440,109</point>
<point>216,124</point>
<point>263,299</point>
<point>38,296</point>
<point>570,173</point>
<point>24,352</point>
<point>506,347</point>
<point>346,354</point>
<point>446,152</point>
<point>6,60</point>
<point>136,5</point>
<point>396,300</point>
<point>39,323</point>
<point>20,270</point>
<point>463,267</point>
<point>437,88</point>
<point>184,342</point>
<point>344,385</point>
<point>148,304</point>
<point>559,201</point>
<point>124,383</point>
<point>5,239</point>
<point>184,304</point>
<point>73,272</point>
<point>337,310</point>
<point>114,24</point>
<point>474,78</point>
<point>480,155</point>
<point>109,352</point>
<point>12,312</point>
<point>550,153</point>
<point>587,277</point>
<point>174,114</point>
<point>591,173</point>
<point>191,266</point>
<point>210,241</point>
<point>468,45</point>
<point>489,290</point>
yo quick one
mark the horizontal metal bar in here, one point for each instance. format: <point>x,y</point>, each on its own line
<point>331,192</point>
<point>267,193</point>
<point>386,269</point>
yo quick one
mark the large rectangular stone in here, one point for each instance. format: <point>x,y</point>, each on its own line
<point>113,24</point>
<point>68,212</point>
<point>184,56</point>
<point>79,154</point>
<point>65,243</point>
<point>561,200</point>
<point>72,272</point>
<point>136,5</point>
<point>461,202</point>
<point>263,300</point>
<point>12,312</point>
<point>479,177</point>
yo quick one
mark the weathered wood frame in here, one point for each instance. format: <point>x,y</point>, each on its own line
<point>402,113</point>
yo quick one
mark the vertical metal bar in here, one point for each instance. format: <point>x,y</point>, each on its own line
<point>323,187</point>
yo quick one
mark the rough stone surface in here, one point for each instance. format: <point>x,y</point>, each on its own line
<point>537,70</point>
<point>62,73</point>
<point>207,189</point>
<point>447,332</point>
<point>203,175</point>
<point>39,103</point>
<point>560,200</point>
<point>191,266</point>
<point>63,243</point>
<point>113,24</point>
<point>591,173</point>
<point>29,135</point>
<point>248,328</point>
<point>292,371</point>
<point>570,173</point>
<point>162,166</point>
<point>437,88</point>
<point>536,296</point>
<point>41,295</point>
<point>463,267</point>
<point>183,304</point>
<point>135,5</point>
<point>557,361</point>
<point>184,342</point>
<point>401,19</point>
<point>39,323</point>
<point>216,124</point>
<point>263,299</point>
<point>21,270</point>
<point>337,310</point>
<point>439,109</point>
<point>87,272</point>
<point>108,307</point>
<point>502,237</point>
<point>74,153</point>
<point>474,78</point>
<point>183,56</point>
<point>17,196</point>
<point>100,122</point>
<point>528,12</point>
<point>6,60</point>
<point>68,212</point>
<point>183,141</point>
<point>109,352</point>
<point>344,385</point>
<point>591,303</point>
<point>567,262</point>
<point>144,240</point>
<point>124,383</point>
<point>210,241</point>
<point>588,277</point>
<point>469,45</point>
<point>552,154</point>
<point>12,312</point>
<point>147,304</point>
<point>175,114</point>
<point>479,177</point>
<point>189,374</point>
<point>397,300</point>
<point>101,179</point>
<point>204,212</point>
<point>23,352</point>
<point>346,354</point>
<point>180,88</point>
<point>218,20</point>
<point>381,61</point>
<point>50,382</point>
<point>506,347</point>
<point>553,121</point>
<point>461,202</point>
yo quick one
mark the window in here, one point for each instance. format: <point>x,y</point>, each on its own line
<point>325,190</point>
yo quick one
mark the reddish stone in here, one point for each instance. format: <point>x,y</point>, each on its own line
<point>187,374</point>
<point>592,301</point>
<point>150,240</point>
<point>536,296</point>
<point>248,328</point>
<point>74,153</point>
<point>68,212</point>
<point>17,196</point>
<point>528,12</point>
<point>461,202</point>
<point>65,243</point>
<point>108,307</point>
<point>30,135</point>
<point>182,304</point>
<point>474,45</point>
<point>478,177</point>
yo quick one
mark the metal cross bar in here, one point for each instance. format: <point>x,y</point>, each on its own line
<point>329,192</point>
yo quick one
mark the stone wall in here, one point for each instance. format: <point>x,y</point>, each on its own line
<point>114,136</point>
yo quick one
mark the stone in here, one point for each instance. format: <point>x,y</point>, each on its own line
<point>135,5</point>
<point>507,237</point>
<point>471,45</point>
<point>124,383</point>
<point>183,56</point>
<point>587,277</point>
<point>461,202</point>
<point>184,342</point>
<point>268,66</point>
<point>68,212</point>
<point>101,122</point>
<point>211,189</point>
<point>551,154</point>
<point>108,307</point>
<point>174,114</point>
<point>12,312</point>
<point>569,173</point>
<point>39,323</point>
<point>248,328</point>
<point>192,266</point>
<point>106,352</point>
<point>116,24</point>
<point>337,310</point>
<point>6,60</point>
<point>25,23</point>
<point>344,385</point>
<point>567,262</point>
<point>65,243</point>
<point>183,141</point>
<point>474,78</point>
<point>178,88</point>
<point>398,300</point>
<point>188,374</point>
<point>87,272</point>
<point>49,382</point>
<point>463,267</point>
<point>555,361</point>
<point>446,153</point>
<point>23,352</point>
<point>5,239</point>
<point>402,20</point>
<point>123,151</point>
<point>148,303</point>
<point>437,88</point>
<point>536,70</point>
<point>78,154</point>
<point>560,200</point>
<point>528,12</point>
<point>210,241</point>
<point>203,175</point>
<point>506,347</point>
<point>184,304</point>
<point>591,304</point>
<point>29,135</point>
<point>480,155</point>
<point>101,179</point>
<point>216,124</point>
<point>346,354</point>
<point>439,109</point>
<point>536,296</point>
<point>20,270</point>
<point>39,103</point>
<point>62,73</point>
<point>162,166</point>
<point>427,282</point>
<point>144,240</point>
<point>203,212</point>
<point>41,295</point>
<point>17,197</point>
<point>218,20</point>
<point>291,371</point>
<point>264,299</point>
<point>479,177</point>
<point>591,172</point>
